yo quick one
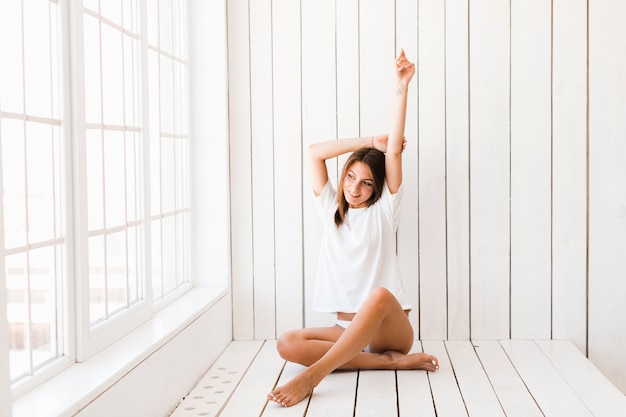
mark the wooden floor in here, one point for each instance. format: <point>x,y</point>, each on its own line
<point>476,378</point>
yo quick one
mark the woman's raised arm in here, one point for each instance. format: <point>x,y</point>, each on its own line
<point>320,152</point>
<point>393,158</point>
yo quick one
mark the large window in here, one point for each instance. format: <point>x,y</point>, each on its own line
<point>94,160</point>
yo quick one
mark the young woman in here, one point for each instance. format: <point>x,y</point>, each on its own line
<point>358,275</point>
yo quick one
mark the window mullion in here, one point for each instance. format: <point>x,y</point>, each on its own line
<point>78,156</point>
<point>145,139</point>
<point>27,285</point>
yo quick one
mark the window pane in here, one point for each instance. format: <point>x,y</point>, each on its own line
<point>133,176</point>
<point>168,175</point>
<point>43,163</point>
<point>14,182</point>
<point>44,282</point>
<point>91,30</point>
<point>155,176</point>
<point>11,72</point>
<point>95,187</point>
<point>115,191</point>
<point>97,280</point>
<point>17,315</point>
<point>157,266</point>
<point>168,261</point>
<point>182,248</point>
<point>37,65</point>
<point>182,173</point>
<point>167,96</point>
<point>117,285</point>
<point>131,82</point>
<point>112,76</point>
<point>165,25</point>
<point>135,269</point>
<point>180,110</point>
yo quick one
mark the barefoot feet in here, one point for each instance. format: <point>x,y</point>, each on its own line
<point>293,391</point>
<point>301,386</point>
<point>413,361</point>
<point>421,361</point>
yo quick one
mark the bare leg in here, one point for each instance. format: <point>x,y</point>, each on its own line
<point>381,323</point>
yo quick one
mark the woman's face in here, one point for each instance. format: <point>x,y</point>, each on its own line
<point>358,185</point>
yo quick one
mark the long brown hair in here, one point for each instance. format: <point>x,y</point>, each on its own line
<point>375,160</point>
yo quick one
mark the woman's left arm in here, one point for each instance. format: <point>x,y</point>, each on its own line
<point>393,157</point>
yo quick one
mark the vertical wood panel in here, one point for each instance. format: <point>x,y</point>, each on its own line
<point>240,169</point>
<point>347,30</point>
<point>607,190</point>
<point>530,169</point>
<point>569,166</point>
<point>457,168</point>
<point>432,166</point>
<point>209,129</point>
<point>490,168</point>
<point>288,164</point>
<point>319,95</point>
<point>261,105</point>
<point>377,51</point>
<point>408,248</point>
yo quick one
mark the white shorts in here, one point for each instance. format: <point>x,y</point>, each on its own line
<point>345,324</point>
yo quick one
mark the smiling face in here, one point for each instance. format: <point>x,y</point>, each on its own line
<point>358,185</point>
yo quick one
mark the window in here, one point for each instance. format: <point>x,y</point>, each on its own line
<point>33,172</point>
<point>94,172</point>
<point>169,148</point>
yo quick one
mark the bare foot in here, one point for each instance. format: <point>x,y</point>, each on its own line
<point>413,361</point>
<point>293,391</point>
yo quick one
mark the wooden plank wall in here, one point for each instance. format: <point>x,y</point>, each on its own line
<point>514,221</point>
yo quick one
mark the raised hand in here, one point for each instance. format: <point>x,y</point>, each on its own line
<point>405,68</point>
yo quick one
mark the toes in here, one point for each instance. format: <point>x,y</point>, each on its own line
<point>279,399</point>
<point>274,398</point>
<point>435,363</point>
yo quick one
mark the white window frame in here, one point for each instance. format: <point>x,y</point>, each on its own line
<point>65,343</point>
<point>93,339</point>
<point>80,339</point>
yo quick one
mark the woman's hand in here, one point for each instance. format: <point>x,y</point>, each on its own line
<point>405,68</point>
<point>380,142</point>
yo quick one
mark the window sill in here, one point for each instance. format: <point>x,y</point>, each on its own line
<point>77,386</point>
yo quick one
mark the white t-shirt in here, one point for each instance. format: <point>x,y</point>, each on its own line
<point>358,256</point>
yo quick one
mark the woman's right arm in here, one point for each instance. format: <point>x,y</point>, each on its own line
<point>320,152</point>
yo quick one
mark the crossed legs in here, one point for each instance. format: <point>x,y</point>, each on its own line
<point>380,323</point>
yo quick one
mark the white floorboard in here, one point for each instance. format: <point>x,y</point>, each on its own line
<point>510,378</point>
<point>414,395</point>
<point>334,396</point>
<point>548,387</point>
<point>376,394</point>
<point>515,399</point>
<point>476,389</point>
<point>445,390</point>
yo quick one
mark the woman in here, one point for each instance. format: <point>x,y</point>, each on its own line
<point>358,276</point>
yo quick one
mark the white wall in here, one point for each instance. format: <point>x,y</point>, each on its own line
<point>514,223</point>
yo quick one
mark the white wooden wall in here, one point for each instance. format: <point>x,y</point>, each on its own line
<point>514,221</point>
